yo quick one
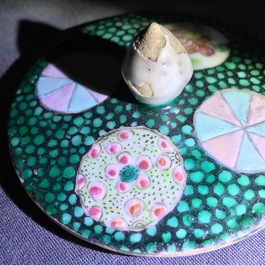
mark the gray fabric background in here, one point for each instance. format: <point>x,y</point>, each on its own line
<point>28,29</point>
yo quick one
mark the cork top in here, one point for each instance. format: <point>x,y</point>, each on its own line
<point>151,40</point>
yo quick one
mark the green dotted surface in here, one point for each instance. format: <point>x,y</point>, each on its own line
<point>218,206</point>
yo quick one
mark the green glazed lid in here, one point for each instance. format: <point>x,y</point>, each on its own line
<point>218,207</point>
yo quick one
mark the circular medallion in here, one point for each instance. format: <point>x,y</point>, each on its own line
<point>206,46</point>
<point>131,178</point>
<point>230,126</point>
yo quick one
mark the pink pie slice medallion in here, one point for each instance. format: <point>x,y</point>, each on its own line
<point>230,126</point>
<point>59,93</point>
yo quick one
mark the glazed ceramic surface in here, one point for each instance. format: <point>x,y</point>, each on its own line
<point>52,131</point>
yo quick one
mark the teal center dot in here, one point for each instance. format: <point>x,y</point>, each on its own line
<point>129,173</point>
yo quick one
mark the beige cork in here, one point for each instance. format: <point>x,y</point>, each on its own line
<point>145,90</point>
<point>150,41</point>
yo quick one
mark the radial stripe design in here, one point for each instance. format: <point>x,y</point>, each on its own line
<point>59,93</point>
<point>230,126</point>
<point>212,127</point>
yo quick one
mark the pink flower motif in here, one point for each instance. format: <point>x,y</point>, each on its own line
<point>112,171</point>
<point>158,211</point>
<point>94,151</point>
<point>95,213</point>
<point>198,44</point>
<point>81,181</point>
<point>164,145</point>
<point>123,186</point>
<point>97,190</point>
<point>144,163</point>
<point>163,162</point>
<point>113,148</point>
<point>124,135</point>
<point>124,158</point>
<point>134,207</point>
<point>179,175</point>
<point>118,223</point>
<point>142,181</point>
